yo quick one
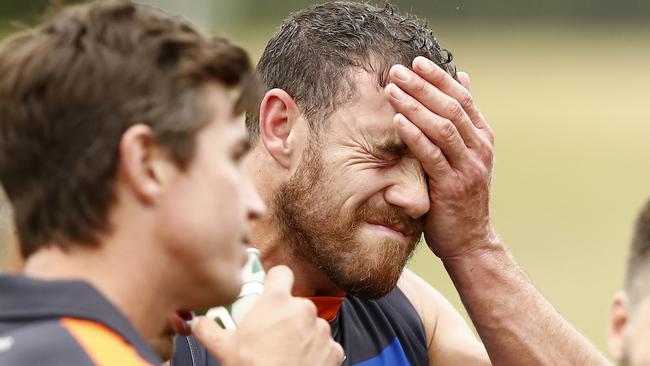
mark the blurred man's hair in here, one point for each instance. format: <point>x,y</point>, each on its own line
<point>638,269</point>
<point>313,53</point>
<point>72,86</point>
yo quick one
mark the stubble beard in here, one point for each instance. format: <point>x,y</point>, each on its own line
<point>321,233</point>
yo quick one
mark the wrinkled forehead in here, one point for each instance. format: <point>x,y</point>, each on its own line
<point>367,114</point>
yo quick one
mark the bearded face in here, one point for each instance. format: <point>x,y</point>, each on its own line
<point>323,230</point>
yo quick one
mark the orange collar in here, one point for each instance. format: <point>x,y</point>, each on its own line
<point>328,306</point>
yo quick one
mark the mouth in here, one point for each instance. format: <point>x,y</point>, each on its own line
<point>393,229</point>
<point>180,321</point>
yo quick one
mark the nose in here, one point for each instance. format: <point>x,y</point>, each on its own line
<point>254,204</point>
<point>409,190</point>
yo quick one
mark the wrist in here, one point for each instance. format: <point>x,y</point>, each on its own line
<point>472,248</point>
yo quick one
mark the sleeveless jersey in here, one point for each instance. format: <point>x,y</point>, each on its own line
<point>383,332</point>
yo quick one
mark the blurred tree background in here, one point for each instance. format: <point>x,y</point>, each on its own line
<point>564,84</point>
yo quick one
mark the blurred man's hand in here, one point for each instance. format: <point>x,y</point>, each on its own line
<point>279,330</point>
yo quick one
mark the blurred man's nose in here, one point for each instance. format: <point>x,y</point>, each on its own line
<point>410,190</point>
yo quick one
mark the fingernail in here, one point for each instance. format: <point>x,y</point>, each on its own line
<point>425,64</point>
<point>402,74</point>
<point>396,93</point>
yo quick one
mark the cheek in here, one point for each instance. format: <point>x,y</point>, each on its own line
<point>204,210</point>
<point>363,185</point>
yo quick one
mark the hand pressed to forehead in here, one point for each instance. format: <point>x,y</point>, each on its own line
<point>440,123</point>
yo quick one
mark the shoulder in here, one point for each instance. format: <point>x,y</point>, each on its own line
<point>66,341</point>
<point>450,341</point>
<point>426,300</point>
<point>42,343</point>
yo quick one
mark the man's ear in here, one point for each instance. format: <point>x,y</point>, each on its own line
<point>278,116</point>
<point>144,165</point>
<point>618,321</point>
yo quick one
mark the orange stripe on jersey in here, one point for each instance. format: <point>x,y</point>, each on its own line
<point>328,306</point>
<point>103,346</point>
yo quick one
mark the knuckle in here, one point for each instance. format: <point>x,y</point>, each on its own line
<point>435,153</point>
<point>323,328</point>
<point>477,174</point>
<point>457,190</point>
<point>466,99</point>
<point>487,153</point>
<point>454,109</point>
<point>447,131</point>
<point>414,107</point>
<point>419,85</point>
<point>306,307</point>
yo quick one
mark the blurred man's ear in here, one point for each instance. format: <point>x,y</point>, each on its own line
<point>618,321</point>
<point>144,166</point>
<point>278,116</point>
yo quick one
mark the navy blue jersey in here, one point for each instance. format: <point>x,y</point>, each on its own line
<point>387,331</point>
<point>63,323</point>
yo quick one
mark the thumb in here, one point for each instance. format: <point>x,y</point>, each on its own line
<point>279,280</point>
<point>215,339</point>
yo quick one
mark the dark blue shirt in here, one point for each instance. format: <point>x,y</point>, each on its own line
<point>387,331</point>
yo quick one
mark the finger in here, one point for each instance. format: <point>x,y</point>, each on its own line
<point>211,336</point>
<point>337,355</point>
<point>443,81</point>
<point>432,73</point>
<point>436,101</point>
<point>279,279</point>
<point>463,78</point>
<point>430,156</point>
<point>439,130</point>
<point>330,351</point>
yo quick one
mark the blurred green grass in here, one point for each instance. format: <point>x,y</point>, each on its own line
<point>568,103</point>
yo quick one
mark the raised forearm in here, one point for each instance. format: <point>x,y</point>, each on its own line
<point>517,324</point>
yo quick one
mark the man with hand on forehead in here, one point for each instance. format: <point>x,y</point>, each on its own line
<point>120,151</point>
<point>366,138</point>
<point>347,193</point>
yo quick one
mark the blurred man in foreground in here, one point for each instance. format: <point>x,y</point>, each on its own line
<point>120,151</point>
<point>629,318</point>
<point>356,157</point>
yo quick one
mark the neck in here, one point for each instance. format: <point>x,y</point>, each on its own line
<point>276,250</point>
<point>123,279</point>
<point>267,236</point>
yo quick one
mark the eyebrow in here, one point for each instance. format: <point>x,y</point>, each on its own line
<point>392,147</point>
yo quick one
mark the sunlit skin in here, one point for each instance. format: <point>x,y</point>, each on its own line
<point>348,196</point>
<point>364,164</point>
<point>207,211</point>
